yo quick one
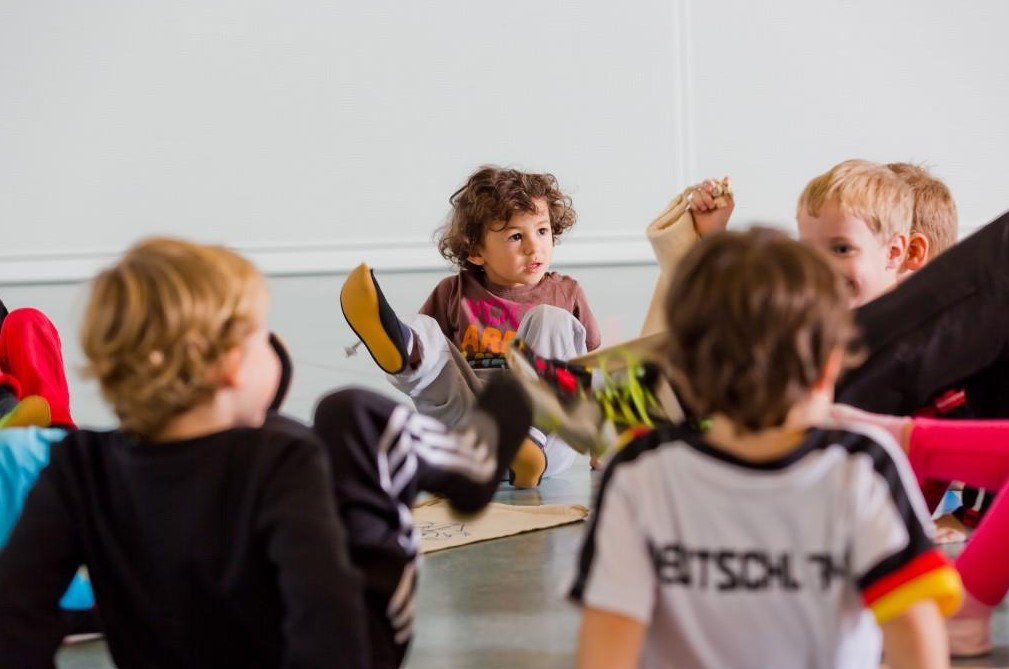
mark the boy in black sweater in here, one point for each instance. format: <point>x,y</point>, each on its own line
<point>211,530</point>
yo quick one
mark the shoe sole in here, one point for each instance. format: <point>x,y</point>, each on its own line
<point>32,411</point>
<point>528,474</point>
<point>359,302</point>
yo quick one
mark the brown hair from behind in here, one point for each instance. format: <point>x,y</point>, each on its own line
<point>752,319</point>
<point>491,196</point>
<point>865,190</point>
<point>158,322</point>
<point>935,214</point>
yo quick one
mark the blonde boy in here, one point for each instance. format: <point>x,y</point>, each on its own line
<point>210,540</point>
<point>860,214</point>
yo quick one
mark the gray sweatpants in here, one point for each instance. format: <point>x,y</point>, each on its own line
<point>444,386</point>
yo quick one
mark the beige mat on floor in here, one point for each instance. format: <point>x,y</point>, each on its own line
<point>439,528</point>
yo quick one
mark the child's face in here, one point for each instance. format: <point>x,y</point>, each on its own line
<point>870,264</point>
<point>259,371</point>
<point>519,254</point>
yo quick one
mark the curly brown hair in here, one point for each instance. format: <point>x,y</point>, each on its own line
<point>159,321</point>
<point>490,197</point>
<point>752,319</point>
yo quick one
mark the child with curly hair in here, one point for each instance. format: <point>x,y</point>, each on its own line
<point>500,235</point>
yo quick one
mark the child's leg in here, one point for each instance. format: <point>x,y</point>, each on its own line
<point>418,358</point>
<point>382,455</point>
<point>943,326</point>
<point>977,453</point>
<point>553,332</point>
<point>441,384</point>
<point>982,563</point>
<point>31,353</point>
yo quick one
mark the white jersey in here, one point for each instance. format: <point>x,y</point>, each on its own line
<point>779,564</point>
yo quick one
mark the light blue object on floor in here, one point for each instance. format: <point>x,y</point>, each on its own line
<point>24,452</point>
<point>950,503</point>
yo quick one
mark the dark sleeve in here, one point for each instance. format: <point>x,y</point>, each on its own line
<point>322,593</point>
<point>36,566</point>
<point>584,315</point>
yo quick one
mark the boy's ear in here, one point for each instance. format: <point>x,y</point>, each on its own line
<point>476,257</point>
<point>917,252</point>
<point>230,364</point>
<point>897,252</point>
<point>831,370</point>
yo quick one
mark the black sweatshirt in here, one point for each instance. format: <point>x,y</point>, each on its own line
<point>220,551</point>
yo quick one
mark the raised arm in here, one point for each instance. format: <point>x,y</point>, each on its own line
<point>698,211</point>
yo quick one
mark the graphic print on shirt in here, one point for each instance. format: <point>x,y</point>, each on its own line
<point>493,323</point>
<point>730,569</point>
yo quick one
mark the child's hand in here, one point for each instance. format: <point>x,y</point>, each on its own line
<point>711,202</point>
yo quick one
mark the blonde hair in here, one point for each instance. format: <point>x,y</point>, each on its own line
<point>158,322</point>
<point>865,190</point>
<point>935,215</point>
<point>752,319</point>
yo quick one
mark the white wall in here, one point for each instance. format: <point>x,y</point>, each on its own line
<point>313,133</point>
<point>780,91</point>
<point>297,128</point>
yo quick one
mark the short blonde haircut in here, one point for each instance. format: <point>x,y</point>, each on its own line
<point>753,318</point>
<point>935,215</point>
<point>158,322</point>
<point>865,190</point>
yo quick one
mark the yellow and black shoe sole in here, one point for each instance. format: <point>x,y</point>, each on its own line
<point>32,411</point>
<point>373,320</point>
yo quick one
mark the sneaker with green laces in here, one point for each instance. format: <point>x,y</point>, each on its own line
<point>590,408</point>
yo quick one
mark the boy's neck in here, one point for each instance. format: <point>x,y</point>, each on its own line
<point>766,445</point>
<point>771,443</point>
<point>200,421</point>
<point>499,288</point>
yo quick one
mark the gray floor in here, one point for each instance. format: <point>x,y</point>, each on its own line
<point>489,605</point>
<point>499,604</point>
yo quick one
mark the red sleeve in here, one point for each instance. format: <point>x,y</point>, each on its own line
<point>31,353</point>
<point>973,451</point>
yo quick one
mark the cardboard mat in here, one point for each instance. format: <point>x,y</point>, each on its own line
<point>439,528</point>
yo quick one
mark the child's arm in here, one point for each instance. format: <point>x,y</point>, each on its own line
<point>585,316</point>
<point>615,582</point>
<point>676,230</point>
<point>36,566</point>
<point>973,451</point>
<point>322,592</point>
<point>903,578</point>
<point>916,638</point>
<point>609,640</point>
